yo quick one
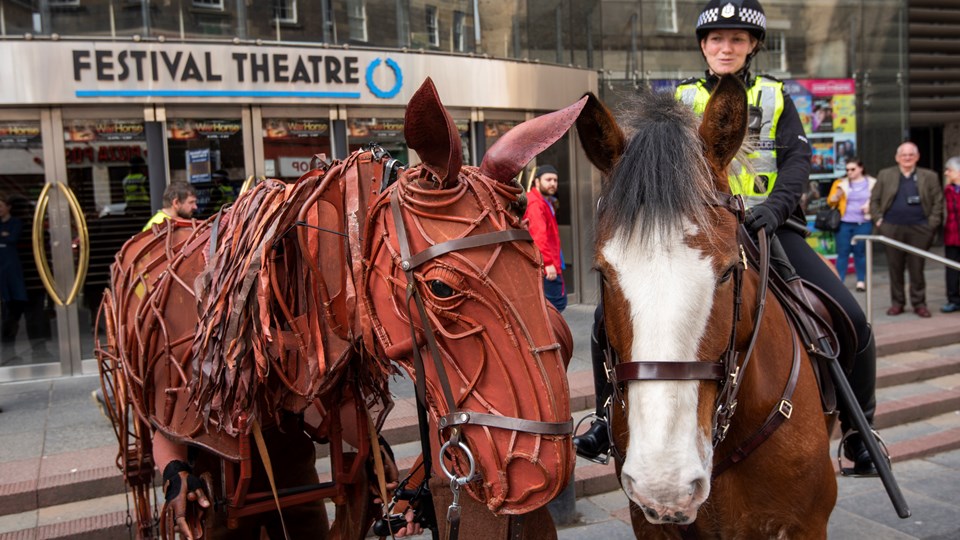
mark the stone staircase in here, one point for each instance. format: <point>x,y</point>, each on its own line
<point>79,493</point>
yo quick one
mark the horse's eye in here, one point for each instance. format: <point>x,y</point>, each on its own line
<point>727,274</point>
<point>441,289</point>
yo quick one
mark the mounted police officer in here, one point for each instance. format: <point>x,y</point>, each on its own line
<point>730,33</point>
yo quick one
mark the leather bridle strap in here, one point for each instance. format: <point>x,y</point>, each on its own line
<point>780,413</point>
<point>503,422</point>
<point>668,371</point>
<point>467,242</point>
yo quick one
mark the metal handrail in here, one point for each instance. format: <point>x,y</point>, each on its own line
<point>870,239</point>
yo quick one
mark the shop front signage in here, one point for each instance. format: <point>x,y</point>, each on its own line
<point>92,72</point>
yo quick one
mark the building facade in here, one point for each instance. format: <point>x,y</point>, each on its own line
<point>257,88</point>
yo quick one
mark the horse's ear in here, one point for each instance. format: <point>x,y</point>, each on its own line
<point>725,122</point>
<point>600,136</point>
<point>511,153</point>
<point>432,133</point>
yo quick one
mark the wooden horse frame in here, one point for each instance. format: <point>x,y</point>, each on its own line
<point>681,307</point>
<point>293,299</point>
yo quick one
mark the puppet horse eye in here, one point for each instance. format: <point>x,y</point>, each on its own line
<point>441,289</point>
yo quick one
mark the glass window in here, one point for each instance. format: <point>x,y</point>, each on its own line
<point>667,16</point>
<point>211,4</point>
<point>285,11</point>
<point>433,26</point>
<point>357,16</point>
<point>776,45</point>
<point>387,132</point>
<point>208,154</point>
<point>403,23</point>
<point>458,22</point>
<point>289,145</point>
<point>64,3</point>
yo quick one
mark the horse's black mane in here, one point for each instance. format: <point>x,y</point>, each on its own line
<point>662,172</point>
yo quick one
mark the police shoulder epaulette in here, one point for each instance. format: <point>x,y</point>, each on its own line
<point>769,77</point>
<point>691,80</point>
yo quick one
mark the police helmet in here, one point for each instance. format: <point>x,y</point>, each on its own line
<point>732,14</point>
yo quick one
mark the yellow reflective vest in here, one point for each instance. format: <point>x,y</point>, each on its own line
<point>767,94</point>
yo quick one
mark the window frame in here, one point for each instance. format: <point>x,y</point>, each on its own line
<point>432,16</point>
<point>459,30</point>
<point>354,16</point>
<point>208,4</point>
<point>666,16</point>
<point>290,6</point>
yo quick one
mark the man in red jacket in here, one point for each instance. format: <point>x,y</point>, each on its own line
<point>542,220</point>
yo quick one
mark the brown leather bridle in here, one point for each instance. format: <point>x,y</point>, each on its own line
<point>455,418</point>
<point>727,370</point>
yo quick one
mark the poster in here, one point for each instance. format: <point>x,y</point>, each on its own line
<point>295,128</point>
<point>198,165</point>
<point>195,129</point>
<point>103,130</point>
<point>827,109</point>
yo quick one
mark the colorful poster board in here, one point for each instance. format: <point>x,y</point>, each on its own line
<point>827,108</point>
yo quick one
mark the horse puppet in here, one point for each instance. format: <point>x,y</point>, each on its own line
<point>286,309</point>
<point>690,341</point>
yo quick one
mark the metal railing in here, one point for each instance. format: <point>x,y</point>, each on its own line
<point>870,239</point>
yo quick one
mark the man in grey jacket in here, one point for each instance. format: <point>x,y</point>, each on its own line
<point>907,203</point>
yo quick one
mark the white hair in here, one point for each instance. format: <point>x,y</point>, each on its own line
<point>953,163</point>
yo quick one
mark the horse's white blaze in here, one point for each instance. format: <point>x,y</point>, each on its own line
<point>669,289</point>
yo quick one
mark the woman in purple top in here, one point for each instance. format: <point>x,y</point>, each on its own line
<point>851,194</point>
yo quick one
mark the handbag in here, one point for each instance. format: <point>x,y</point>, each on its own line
<point>828,219</point>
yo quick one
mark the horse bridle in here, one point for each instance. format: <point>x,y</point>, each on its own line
<point>727,370</point>
<point>455,418</point>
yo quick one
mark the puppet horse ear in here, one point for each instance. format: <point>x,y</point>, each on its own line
<point>431,132</point>
<point>724,125</point>
<point>511,153</point>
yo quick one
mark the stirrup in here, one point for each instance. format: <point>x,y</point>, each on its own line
<point>849,471</point>
<point>603,457</point>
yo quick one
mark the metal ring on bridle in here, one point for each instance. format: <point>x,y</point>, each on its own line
<point>473,465</point>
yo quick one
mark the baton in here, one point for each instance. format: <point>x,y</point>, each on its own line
<point>866,434</point>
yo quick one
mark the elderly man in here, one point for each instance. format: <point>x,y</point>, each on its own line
<point>907,203</point>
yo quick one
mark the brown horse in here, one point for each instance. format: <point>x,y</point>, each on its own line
<point>295,299</point>
<point>703,374</point>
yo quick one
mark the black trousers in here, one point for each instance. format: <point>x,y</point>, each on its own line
<point>953,276</point>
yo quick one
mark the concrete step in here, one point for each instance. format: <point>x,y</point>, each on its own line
<point>918,400</point>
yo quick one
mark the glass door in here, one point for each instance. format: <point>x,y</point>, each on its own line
<point>105,151</point>
<point>291,139</point>
<point>28,342</point>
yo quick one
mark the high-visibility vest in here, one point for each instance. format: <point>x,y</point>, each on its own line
<point>767,94</point>
<point>159,217</point>
<point>136,190</point>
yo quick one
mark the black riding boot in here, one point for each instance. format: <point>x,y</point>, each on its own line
<point>863,382</point>
<point>595,442</point>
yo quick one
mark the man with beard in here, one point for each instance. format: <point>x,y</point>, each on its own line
<point>542,219</point>
<point>179,201</point>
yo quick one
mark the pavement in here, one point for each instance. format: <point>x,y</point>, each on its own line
<point>54,442</point>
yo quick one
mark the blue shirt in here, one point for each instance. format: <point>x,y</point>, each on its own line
<point>902,213</point>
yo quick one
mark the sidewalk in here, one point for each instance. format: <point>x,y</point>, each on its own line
<point>54,442</point>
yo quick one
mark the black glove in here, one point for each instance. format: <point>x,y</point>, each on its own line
<point>761,217</point>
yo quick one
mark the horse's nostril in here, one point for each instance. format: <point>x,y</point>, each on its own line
<point>698,488</point>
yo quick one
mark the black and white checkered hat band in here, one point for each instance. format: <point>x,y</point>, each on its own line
<point>749,16</point>
<point>708,16</point>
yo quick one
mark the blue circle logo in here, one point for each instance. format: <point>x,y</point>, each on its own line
<point>372,85</point>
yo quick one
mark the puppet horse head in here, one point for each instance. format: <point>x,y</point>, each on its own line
<point>452,277</point>
<point>665,251</point>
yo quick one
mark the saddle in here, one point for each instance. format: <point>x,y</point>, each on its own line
<point>821,324</point>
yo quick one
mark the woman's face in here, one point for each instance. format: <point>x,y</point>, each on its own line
<point>953,176</point>
<point>854,171</point>
<point>726,50</point>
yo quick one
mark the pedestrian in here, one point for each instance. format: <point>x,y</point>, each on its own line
<point>13,291</point>
<point>542,221</point>
<point>136,187</point>
<point>951,232</point>
<point>179,201</point>
<point>907,203</point>
<point>851,195</point>
<point>730,33</point>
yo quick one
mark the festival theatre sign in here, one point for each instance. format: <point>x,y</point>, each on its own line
<point>91,72</point>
